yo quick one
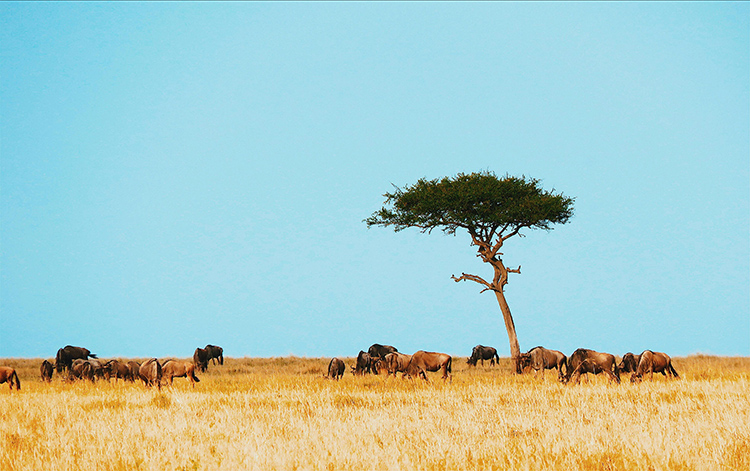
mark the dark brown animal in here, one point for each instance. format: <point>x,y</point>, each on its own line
<point>46,371</point>
<point>396,363</point>
<point>481,353</point>
<point>118,370</point>
<point>378,366</point>
<point>651,362</point>
<point>134,367</point>
<point>150,373</point>
<point>214,353</point>
<point>589,361</point>
<point>179,369</point>
<point>67,354</point>
<point>100,371</point>
<point>81,369</point>
<point>9,374</point>
<point>422,361</point>
<point>363,364</point>
<point>336,369</point>
<point>540,358</point>
<point>380,351</point>
<point>629,363</point>
<point>200,358</point>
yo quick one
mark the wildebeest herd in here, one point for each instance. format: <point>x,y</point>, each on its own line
<point>385,359</point>
<point>79,363</point>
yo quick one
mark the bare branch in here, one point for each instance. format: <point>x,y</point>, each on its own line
<point>476,279</point>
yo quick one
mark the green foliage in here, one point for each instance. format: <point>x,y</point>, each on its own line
<point>478,202</point>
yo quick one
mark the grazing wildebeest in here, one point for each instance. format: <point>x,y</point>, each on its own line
<point>422,361</point>
<point>651,362</point>
<point>9,374</point>
<point>629,363</point>
<point>67,354</point>
<point>379,351</point>
<point>590,361</point>
<point>397,362</point>
<point>214,353</point>
<point>200,358</point>
<point>117,369</point>
<point>100,371</point>
<point>481,353</point>
<point>179,369</point>
<point>379,366</point>
<point>150,373</point>
<point>540,358</point>
<point>46,370</point>
<point>81,369</point>
<point>363,364</point>
<point>336,369</point>
<point>134,367</point>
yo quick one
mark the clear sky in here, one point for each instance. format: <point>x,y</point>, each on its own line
<point>177,174</point>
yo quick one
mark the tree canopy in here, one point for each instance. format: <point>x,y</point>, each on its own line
<point>478,202</point>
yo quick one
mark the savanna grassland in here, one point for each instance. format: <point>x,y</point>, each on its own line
<point>281,414</point>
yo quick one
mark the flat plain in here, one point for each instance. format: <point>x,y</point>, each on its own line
<point>282,414</point>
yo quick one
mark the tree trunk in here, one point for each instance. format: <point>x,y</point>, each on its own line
<point>515,350</point>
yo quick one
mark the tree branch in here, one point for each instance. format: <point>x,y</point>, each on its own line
<point>475,279</point>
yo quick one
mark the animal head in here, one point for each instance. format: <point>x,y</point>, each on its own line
<point>524,360</point>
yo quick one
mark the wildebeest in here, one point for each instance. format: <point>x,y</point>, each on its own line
<point>481,353</point>
<point>179,369</point>
<point>422,361</point>
<point>134,368</point>
<point>363,364</point>
<point>9,374</point>
<point>650,362</point>
<point>540,358</point>
<point>118,369</point>
<point>100,371</point>
<point>629,363</point>
<point>379,351</point>
<point>397,362</point>
<point>378,366</point>
<point>336,369</point>
<point>589,361</point>
<point>81,369</point>
<point>200,358</point>
<point>67,354</point>
<point>150,373</point>
<point>214,353</point>
<point>46,371</point>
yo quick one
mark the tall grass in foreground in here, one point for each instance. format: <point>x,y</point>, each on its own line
<point>280,413</point>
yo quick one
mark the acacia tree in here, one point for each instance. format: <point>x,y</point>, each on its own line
<point>489,208</point>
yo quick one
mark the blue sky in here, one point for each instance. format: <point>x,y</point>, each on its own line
<point>177,174</point>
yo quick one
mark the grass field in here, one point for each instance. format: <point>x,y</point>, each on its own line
<point>280,413</point>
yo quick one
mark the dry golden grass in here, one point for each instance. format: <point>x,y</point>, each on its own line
<point>280,413</point>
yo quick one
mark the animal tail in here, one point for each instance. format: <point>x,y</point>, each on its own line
<point>448,365</point>
<point>617,371</point>
<point>18,381</point>
<point>93,355</point>
<point>329,368</point>
<point>497,358</point>
<point>674,372</point>
<point>195,378</point>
